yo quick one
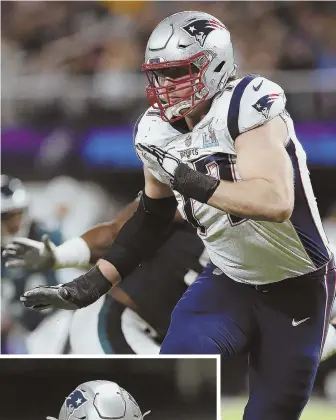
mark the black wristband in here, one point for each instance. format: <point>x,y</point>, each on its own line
<point>87,288</point>
<point>194,184</point>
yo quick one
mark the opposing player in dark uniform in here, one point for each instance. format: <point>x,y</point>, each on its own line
<point>134,317</point>
<point>15,221</point>
<point>151,292</point>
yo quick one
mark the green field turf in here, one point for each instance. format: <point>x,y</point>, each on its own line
<point>315,410</point>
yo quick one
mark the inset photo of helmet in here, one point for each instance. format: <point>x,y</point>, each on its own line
<point>110,388</point>
<point>96,400</point>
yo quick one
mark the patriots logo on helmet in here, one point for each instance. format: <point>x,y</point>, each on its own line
<point>263,105</point>
<point>200,29</point>
<point>75,400</point>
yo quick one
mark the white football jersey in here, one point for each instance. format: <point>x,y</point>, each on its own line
<point>246,250</point>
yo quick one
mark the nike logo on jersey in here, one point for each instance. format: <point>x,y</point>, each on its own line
<point>256,88</point>
<point>296,323</point>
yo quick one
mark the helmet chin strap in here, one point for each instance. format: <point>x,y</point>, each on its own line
<point>176,109</point>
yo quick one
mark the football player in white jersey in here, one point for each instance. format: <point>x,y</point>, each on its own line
<point>96,400</point>
<point>224,149</point>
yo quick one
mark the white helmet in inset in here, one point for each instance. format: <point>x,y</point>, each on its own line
<point>97,400</point>
<point>195,48</point>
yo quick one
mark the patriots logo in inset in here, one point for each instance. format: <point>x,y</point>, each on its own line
<point>200,29</point>
<point>263,105</point>
<point>75,400</point>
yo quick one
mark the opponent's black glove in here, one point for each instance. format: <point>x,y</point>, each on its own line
<point>81,292</point>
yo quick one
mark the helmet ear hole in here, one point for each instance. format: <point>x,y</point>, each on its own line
<point>219,67</point>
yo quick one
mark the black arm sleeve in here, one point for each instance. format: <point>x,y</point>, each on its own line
<point>142,234</point>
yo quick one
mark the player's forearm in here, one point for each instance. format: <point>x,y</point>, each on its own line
<point>257,199</point>
<point>120,296</point>
<point>139,238</point>
<point>87,249</point>
<point>93,244</point>
<point>100,237</point>
<point>109,271</point>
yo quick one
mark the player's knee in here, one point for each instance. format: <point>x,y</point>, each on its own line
<point>286,393</point>
<point>191,333</point>
<point>293,400</point>
<point>293,394</point>
<point>276,403</point>
<point>283,407</point>
<point>174,345</point>
<point>183,343</point>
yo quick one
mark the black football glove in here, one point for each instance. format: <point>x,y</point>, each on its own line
<point>81,292</point>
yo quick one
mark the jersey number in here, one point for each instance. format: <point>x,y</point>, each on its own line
<point>219,166</point>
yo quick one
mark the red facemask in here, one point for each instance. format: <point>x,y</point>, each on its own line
<point>173,82</point>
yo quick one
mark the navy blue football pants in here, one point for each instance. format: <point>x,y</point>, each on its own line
<point>282,326</point>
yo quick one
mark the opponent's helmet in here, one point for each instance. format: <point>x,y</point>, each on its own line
<point>194,47</point>
<point>97,400</point>
<point>14,205</point>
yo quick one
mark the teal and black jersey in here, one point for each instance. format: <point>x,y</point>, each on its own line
<point>16,281</point>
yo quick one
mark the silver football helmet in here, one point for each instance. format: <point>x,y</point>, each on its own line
<point>97,400</point>
<point>15,220</point>
<point>194,50</point>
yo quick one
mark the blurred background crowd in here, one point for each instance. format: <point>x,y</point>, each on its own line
<point>72,89</point>
<point>82,59</point>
